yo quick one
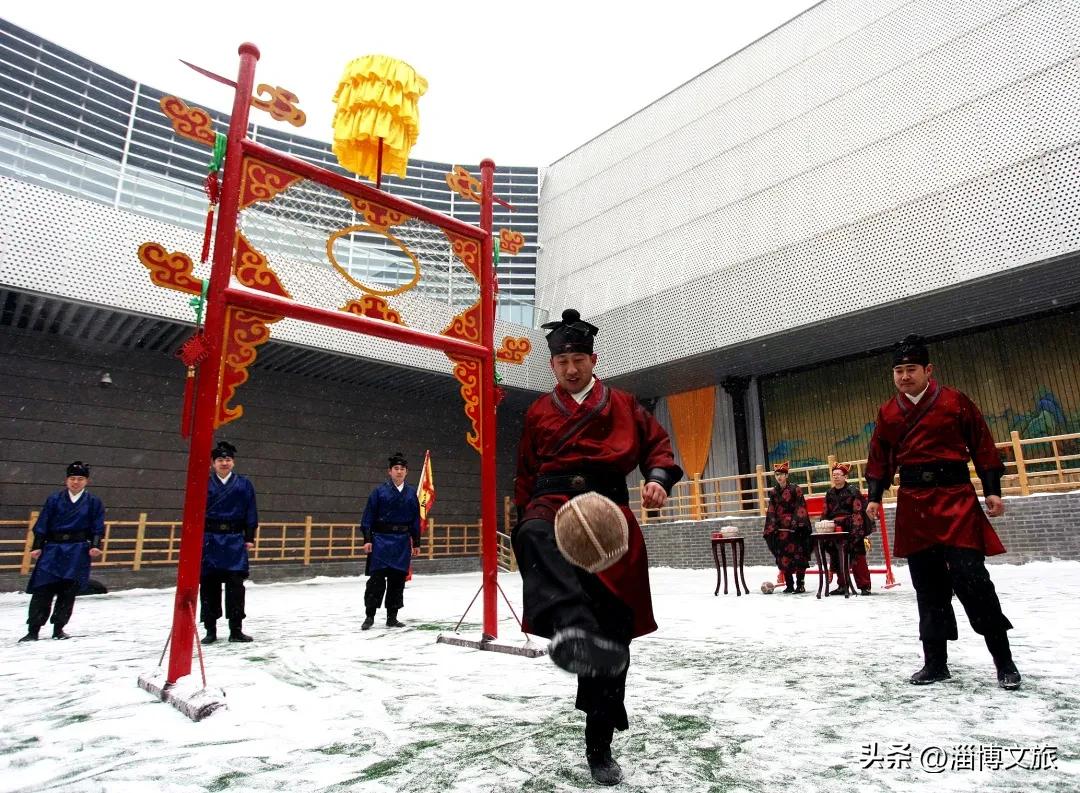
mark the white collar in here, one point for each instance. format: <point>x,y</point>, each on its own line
<point>75,498</point>
<point>581,395</point>
<point>399,487</point>
<point>224,481</point>
<point>915,399</point>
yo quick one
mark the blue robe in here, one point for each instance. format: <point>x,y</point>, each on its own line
<point>232,502</point>
<point>386,505</point>
<point>66,561</point>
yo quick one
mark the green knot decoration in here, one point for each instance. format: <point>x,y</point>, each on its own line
<point>218,157</point>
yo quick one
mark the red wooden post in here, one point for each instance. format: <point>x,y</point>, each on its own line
<point>206,396</point>
<point>890,579</point>
<point>281,306</point>
<point>488,539</point>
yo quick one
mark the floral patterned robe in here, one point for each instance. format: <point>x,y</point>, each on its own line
<point>787,528</point>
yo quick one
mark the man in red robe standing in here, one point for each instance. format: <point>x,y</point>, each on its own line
<point>585,436</point>
<point>930,432</point>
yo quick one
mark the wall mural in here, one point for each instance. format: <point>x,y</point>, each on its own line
<point>1047,417</point>
<point>1024,377</point>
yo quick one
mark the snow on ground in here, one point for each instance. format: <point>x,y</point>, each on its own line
<point>756,693</point>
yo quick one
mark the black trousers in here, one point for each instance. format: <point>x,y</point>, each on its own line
<point>559,595</point>
<point>389,582</point>
<point>41,604</point>
<point>210,595</point>
<point>940,571</point>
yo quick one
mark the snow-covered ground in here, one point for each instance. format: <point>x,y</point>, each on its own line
<point>757,693</point>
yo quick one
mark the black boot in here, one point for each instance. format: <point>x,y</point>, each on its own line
<point>1007,674</point>
<point>235,632</point>
<point>31,634</point>
<point>935,668</point>
<point>602,766</point>
<point>392,620</point>
<point>800,584</point>
<point>587,654</point>
<point>789,587</point>
<point>58,632</point>
<point>211,633</point>
<point>368,621</point>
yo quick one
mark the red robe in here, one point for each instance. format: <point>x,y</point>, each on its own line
<point>608,432</point>
<point>945,426</point>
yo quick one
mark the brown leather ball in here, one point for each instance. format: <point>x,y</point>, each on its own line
<point>591,532</point>
<point>767,588</point>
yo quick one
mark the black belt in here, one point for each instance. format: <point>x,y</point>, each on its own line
<point>614,487</point>
<point>71,536</point>
<point>223,528</point>
<point>391,528</point>
<point>934,475</point>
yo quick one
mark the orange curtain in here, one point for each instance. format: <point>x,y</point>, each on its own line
<point>692,423</point>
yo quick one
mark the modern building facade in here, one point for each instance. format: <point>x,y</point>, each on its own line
<point>865,171</point>
<point>870,169</point>
<point>69,124</point>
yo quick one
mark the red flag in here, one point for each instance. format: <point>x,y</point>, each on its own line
<point>425,491</point>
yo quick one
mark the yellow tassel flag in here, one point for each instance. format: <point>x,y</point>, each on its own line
<point>377,101</point>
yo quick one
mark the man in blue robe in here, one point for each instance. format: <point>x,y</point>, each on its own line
<point>231,522</point>
<point>391,525</point>
<point>68,533</point>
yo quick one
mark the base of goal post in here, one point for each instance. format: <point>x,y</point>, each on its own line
<point>529,649</point>
<point>185,695</point>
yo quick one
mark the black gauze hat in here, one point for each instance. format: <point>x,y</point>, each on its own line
<point>397,458</point>
<point>570,334</point>
<point>78,469</point>
<point>223,449</point>
<point>911,350</point>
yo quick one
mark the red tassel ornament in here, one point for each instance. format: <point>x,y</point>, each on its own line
<point>189,403</point>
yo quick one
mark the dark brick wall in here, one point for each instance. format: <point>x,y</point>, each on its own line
<point>154,577</point>
<point>310,446</point>
<point>1033,528</point>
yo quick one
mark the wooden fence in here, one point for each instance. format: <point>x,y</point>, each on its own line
<point>1032,465</point>
<point>134,544</point>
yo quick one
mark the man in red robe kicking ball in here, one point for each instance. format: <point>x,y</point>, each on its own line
<point>931,432</point>
<point>585,436</point>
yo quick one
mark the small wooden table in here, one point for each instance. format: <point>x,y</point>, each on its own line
<point>738,555</point>
<point>843,577</point>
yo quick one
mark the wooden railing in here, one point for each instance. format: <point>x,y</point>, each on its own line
<point>1032,465</point>
<point>134,544</point>
<point>507,560</point>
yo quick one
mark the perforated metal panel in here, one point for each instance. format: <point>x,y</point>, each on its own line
<point>55,244</point>
<point>864,153</point>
